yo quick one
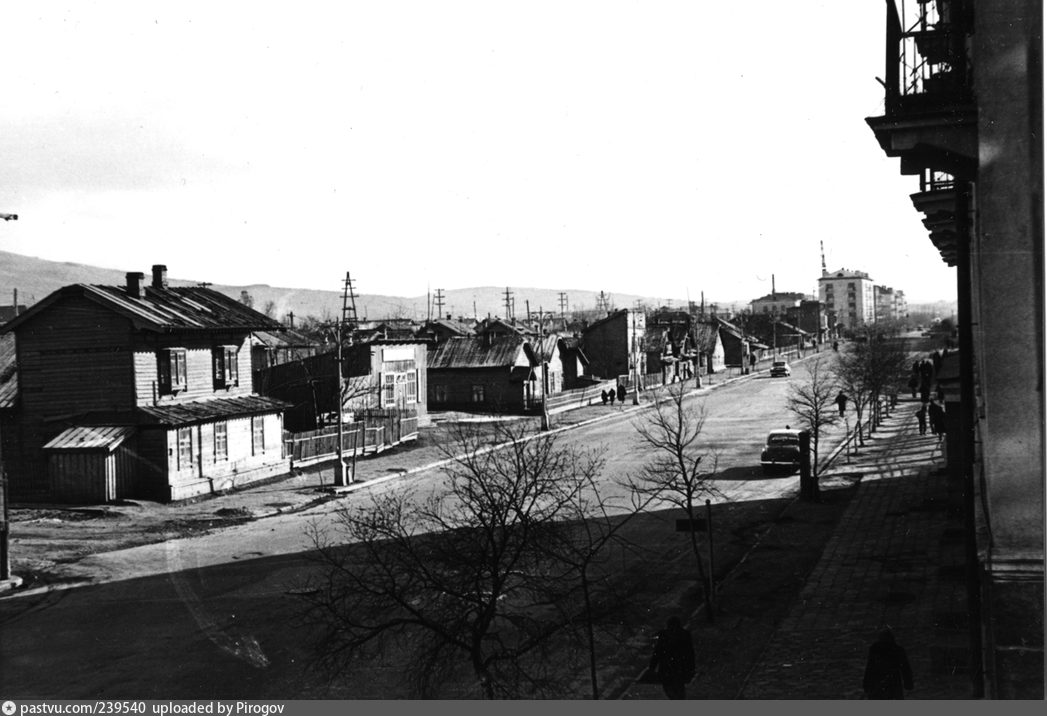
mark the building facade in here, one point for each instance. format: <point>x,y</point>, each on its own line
<point>964,114</point>
<point>615,344</point>
<point>166,370</point>
<point>850,295</point>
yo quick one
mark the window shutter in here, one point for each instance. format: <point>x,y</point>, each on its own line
<point>232,367</point>
<point>163,369</point>
<point>218,358</point>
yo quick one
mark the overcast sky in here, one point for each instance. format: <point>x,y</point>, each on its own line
<point>654,148</point>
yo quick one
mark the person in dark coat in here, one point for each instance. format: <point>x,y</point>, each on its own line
<point>603,397</point>
<point>673,658</point>
<point>841,402</point>
<point>937,416</point>
<point>921,418</point>
<point>610,395</point>
<point>621,394</point>
<point>914,383</point>
<point>887,672</point>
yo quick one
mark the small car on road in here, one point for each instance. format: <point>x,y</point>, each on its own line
<point>780,369</point>
<point>782,451</point>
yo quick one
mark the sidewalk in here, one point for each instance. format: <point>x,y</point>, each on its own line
<point>895,558</point>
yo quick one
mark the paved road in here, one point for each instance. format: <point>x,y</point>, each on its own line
<point>192,613</point>
<point>738,417</point>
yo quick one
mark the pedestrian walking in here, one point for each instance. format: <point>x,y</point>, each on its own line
<point>921,418</point>
<point>914,383</point>
<point>937,417</point>
<point>603,397</point>
<point>610,395</point>
<point>621,394</point>
<point>673,658</point>
<point>841,402</point>
<point>887,672</point>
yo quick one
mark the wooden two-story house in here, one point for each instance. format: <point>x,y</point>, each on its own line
<point>139,391</point>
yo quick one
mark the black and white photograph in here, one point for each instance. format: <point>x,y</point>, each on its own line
<point>465,350</point>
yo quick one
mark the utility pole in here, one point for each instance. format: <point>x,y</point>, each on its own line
<point>439,300</point>
<point>347,323</point>
<point>508,304</point>
<point>7,580</point>
<point>563,305</point>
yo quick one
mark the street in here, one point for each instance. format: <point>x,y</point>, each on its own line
<point>209,615</point>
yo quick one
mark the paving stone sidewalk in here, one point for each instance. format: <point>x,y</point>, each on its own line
<point>894,559</point>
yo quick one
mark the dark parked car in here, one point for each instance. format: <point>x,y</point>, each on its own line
<point>782,451</point>
<point>780,369</point>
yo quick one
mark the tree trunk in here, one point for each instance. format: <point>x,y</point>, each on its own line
<point>702,579</point>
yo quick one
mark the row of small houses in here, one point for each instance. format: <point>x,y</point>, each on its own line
<point>153,391</point>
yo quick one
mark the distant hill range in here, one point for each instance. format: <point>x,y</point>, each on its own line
<point>35,278</point>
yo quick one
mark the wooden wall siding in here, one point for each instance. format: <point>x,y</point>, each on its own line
<point>607,346</point>
<point>207,474</point>
<point>74,357</point>
<point>94,476</point>
<point>500,395</point>
<point>199,369</point>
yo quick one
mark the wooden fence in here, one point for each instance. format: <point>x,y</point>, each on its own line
<point>577,398</point>
<point>377,431</point>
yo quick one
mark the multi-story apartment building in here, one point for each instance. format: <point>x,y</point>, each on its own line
<point>890,304</point>
<point>778,303</point>
<point>850,295</point>
<point>963,111</point>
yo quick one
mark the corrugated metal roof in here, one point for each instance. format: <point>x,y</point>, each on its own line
<point>184,307</point>
<point>278,339</point>
<point>471,352</point>
<point>91,437</point>
<point>202,411</point>
<point>177,308</point>
<point>706,336</point>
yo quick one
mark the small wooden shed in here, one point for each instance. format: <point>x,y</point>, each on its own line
<point>91,464</point>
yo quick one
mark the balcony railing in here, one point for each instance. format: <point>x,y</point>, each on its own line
<point>933,180</point>
<point>926,59</point>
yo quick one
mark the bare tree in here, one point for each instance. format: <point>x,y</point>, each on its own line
<point>852,377</point>
<point>269,309</point>
<point>458,579</point>
<point>813,402</point>
<point>584,546</point>
<point>678,472</point>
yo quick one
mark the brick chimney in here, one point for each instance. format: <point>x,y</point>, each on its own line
<point>135,285</point>
<point>159,276</point>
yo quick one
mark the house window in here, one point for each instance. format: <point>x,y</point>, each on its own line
<point>412,386</point>
<point>400,387</point>
<point>171,370</point>
<point>440,393</point>
<point>478,394</point>
<point>226,370</point>
<point>257,435</point>
<point>221,441</point>
<point>185,448</point>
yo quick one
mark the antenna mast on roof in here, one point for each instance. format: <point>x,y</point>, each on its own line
<point>821,245</point>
